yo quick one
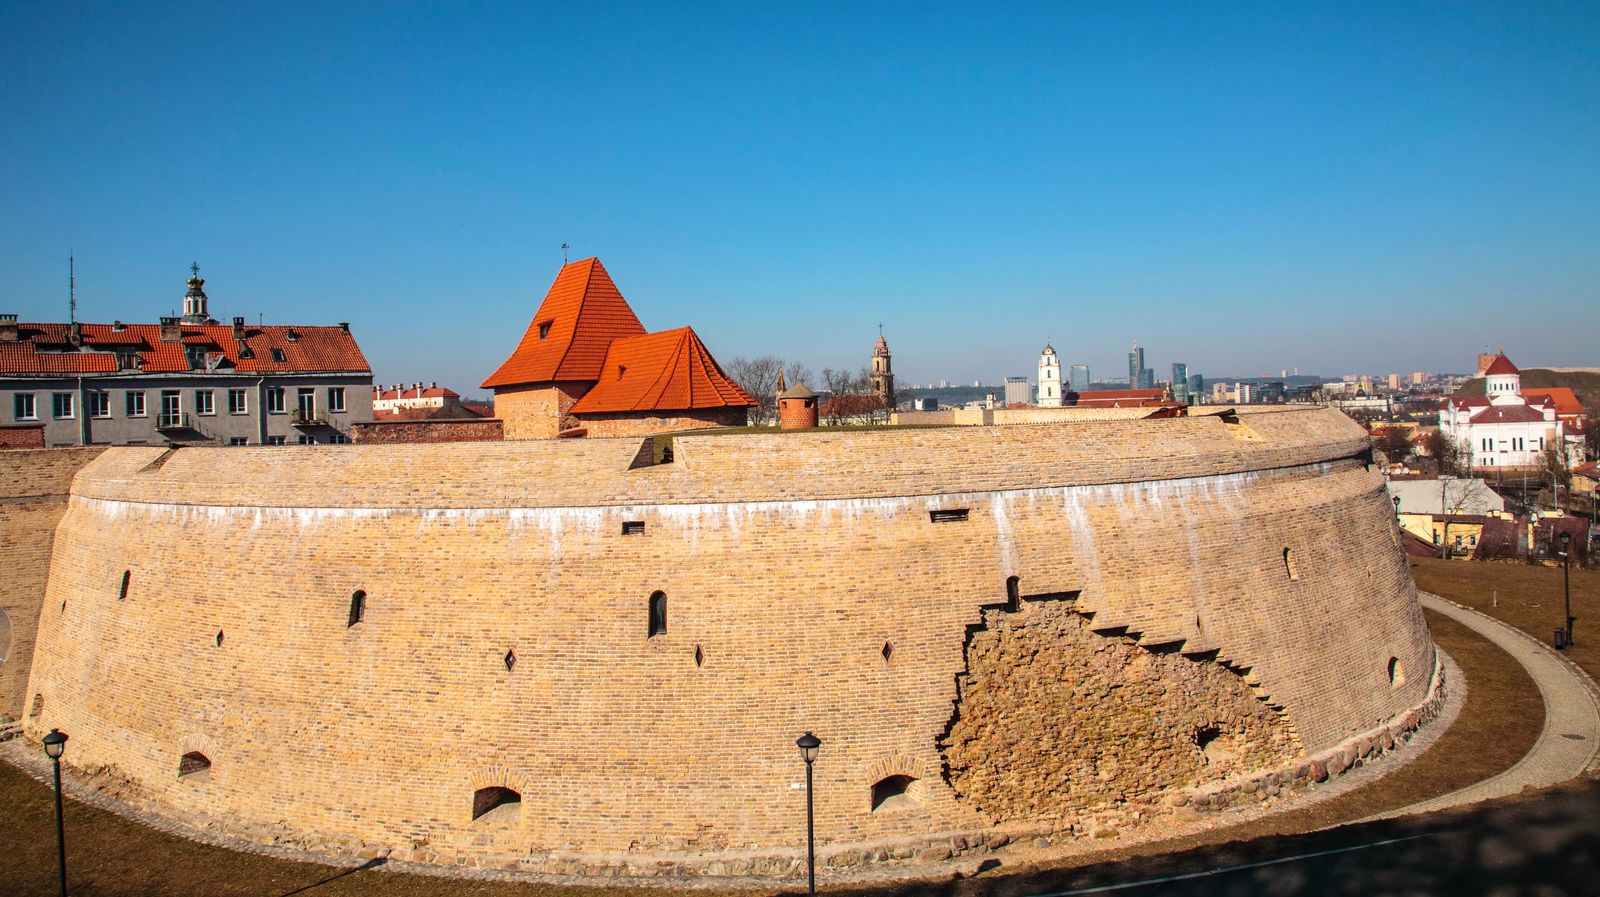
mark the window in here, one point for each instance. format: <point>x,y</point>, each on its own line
<point>1397,673</point>
<point>336,398</point>
<point>22,407</point>
<point>133,402</point>
<point>205,401</point>
<point>99,403</point>
<point>238,440</point>
<point>496,804</point>
<point>544,329</point>
<point>194,765</point>
<point>275,440</point>
<point>633,527</point>
<point>122,591</point>
<point>306,402</point>
<point>278,356</point>
<point>892,793</point>
<point>197,357</point>
<point>171,408</point>
<point>338,438</point>
<point>358,608</point>
<point>658,613</point>
<point>61,405</point>
<point>307,439</point>
<point>1288,564</point>
<point>948,515</point>
<point>274,400</point>
<point>238,403</point>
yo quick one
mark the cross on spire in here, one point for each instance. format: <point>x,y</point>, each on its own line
<point>194,268</point>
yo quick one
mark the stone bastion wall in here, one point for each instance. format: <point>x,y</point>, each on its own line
<point>561,653</point>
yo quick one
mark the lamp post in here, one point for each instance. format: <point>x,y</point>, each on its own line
<point>54,744</point>
<point>1397,508</point>
<point>808,745</point>
<point>1566,580</point>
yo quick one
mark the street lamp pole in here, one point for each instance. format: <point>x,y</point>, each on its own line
<point>1566,580</point>
<point>54,744</point>
<point>808,745</point>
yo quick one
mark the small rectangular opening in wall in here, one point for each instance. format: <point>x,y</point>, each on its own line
<point>633,527</point>
<point>948,515</point>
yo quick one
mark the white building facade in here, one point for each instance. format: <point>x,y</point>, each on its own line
<point>1049,378</point>
<point>1502,428</point>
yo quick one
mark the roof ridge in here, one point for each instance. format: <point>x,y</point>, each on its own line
<point>577,317</point>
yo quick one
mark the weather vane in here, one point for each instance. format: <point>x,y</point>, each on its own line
<point>564,252</point>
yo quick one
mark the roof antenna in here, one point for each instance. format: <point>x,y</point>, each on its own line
<point>564,247</point>
<point>72,288</point>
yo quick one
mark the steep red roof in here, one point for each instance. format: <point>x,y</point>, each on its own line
<point>1566,401</point>
<point>666,371</point>
<point>1507,414</point>
<point>1500,365</point>
<point>47,349</point>
<point>567,339</point>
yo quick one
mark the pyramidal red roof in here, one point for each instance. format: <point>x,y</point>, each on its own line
<point>569,334</point>
<point>667,371</point>
<point>1500,365</point>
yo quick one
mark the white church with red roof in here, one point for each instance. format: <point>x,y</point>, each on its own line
<point>1504,427</point>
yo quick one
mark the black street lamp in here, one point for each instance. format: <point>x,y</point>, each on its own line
<point>1566,580</point>
<point>1397,508</point>
<point>54,744</point>
<point>808,745</point>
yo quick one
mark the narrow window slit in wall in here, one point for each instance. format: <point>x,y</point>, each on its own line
<point>1397,673</point>
<point>38,706</point>
<point>358,608</point>
<point>892,792</point>
<point>510,661</point>
<point>699,656</point>
<point>658,614</point>
<point>947,515</point>
<point>1013,592</point>
<point>633,527</point>
<point>219,638</point>
<point>122,591</point>
<point>888,651</point>
<point>194,766</point>
<point>63,605</point>
<point>1288,565</point>
<point>496,804</point>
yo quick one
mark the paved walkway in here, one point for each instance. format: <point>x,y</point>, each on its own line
<point>1570,739</point>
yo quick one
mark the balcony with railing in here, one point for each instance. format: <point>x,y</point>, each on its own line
<point>300,417</point>
<point>173,420</point>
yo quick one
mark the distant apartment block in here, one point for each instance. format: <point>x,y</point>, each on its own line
<point>1080,378</point>
<point>184,380</point>
<point>1019,391</point>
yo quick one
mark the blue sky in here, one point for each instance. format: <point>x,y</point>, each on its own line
<point>1249,188</point>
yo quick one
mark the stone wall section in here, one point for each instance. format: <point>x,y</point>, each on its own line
<point>809,586</point>
<point>538,411</point>
<point>392,432</point>
<point>33,496</point>
<point>645,423</point>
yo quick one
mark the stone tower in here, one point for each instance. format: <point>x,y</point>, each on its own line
<point>194,301</point>
<point>882,376</point>
<point>797,408</point>
<point>1049,377</point>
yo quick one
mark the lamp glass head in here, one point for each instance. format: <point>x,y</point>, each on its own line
<point>55,743</point>
<point>808,745</point>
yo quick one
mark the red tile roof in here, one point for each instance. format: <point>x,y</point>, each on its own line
<point>1465,402</point>
<point>667,371</point>
<point>579,317</point>
<point>1120,398</point>
<point>1506,414</point>
<point>1566,401</point>
<point>1500,365</point>
<point>46,349</point>
<point>379,394</point>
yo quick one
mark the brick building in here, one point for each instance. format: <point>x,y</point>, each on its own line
<point>184,380</point>
<point>586,365</point>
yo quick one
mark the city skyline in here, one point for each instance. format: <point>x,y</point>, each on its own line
<point>1243,190</point>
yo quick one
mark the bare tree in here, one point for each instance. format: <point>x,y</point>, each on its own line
<point>1452,456</point>
<point>1395,444</point>
<point>849,398</point>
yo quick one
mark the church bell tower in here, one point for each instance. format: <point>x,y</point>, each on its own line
<point>882,376</point>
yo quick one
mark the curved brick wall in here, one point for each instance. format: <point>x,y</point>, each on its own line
<point>807,588</point>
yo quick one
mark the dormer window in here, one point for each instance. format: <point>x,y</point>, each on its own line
<point>621,369</point>
<point>544,329</point>
<point>197,357</point>
<point>278,356</point>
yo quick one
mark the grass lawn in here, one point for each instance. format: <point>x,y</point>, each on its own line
<point>109,855</point>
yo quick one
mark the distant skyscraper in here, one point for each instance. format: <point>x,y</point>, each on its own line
<point>1180,381</point>
<point>1197,387</point>
<point>1135,365</point>
<point>1080,378</point>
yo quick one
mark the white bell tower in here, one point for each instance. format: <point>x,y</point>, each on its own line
<point>1049,377</point>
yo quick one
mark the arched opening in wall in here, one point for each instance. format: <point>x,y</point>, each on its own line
<point>194,766</point>
<point>5,635</point>
<point>122,590</point>
<point>658,613</point>
<point>1288,564</point>
<point>1213,746</point>
<point>1397,673</point>
<point>892,793</point>
<point>496,805</point>
<point>358,608</point>
<point>1013,591</point>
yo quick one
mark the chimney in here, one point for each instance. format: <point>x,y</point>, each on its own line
<point>344,326</point>
<point>8,328</point>
<point>75,333</point>
<point>291,334</point>
<point>170,331</point>
<point>118,326</point>
<point>238,329</point>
